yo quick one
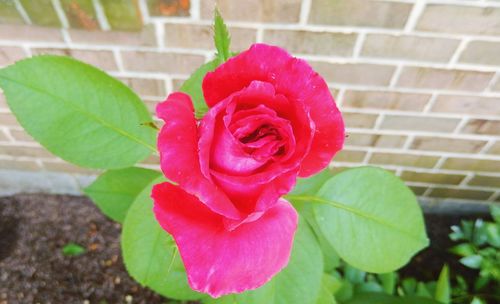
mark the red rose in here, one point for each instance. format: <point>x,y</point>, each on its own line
<point>271,119</point>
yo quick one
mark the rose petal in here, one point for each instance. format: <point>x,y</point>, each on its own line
<point>297,81</point>
<point>218,148</point>
<point>219,261</point>
<point>256,193</point>
<point>177,143</point>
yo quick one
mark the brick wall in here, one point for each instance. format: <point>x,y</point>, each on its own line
<point>418,81</point>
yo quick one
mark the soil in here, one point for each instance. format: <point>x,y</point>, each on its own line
<point>35,227</point>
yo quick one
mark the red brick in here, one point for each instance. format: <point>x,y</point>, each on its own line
<point>419,123</point>
<point>168,7</point>
<point>354,73</point>
<point>10,54</point>
<point>467,105</point>
<point>460,19</point>
<point>146,37</point>
<point>482,126</point>
<point>316,43</point>
<point>360,13</point>
<point>287,11</point>
<point>444,79</point>
<point>104,60</point>
<point>161,62</point>
<point>385,100</point>
<point>30,33</point>
<point>201,36</point>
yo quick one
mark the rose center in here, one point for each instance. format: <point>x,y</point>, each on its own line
<point>265,141</point>
<point>260,133</point>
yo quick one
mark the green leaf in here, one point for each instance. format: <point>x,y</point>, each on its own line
<point>477,300</point>
<point>150,254</point>
<point>423,291</point>
<point>495,212</point>
<point>443,290</point>
<point>368,287</point>
<point>298,283</point>
<point>430,286</point>
<point>115,190</point>
<point>493,234</point>
<point>222,39</point>
<point>311,185</point>
<point>370,217</point>
<point>388,281</point>
<point>325,293</point>
<point>472,261</point>
<point>479,235</point>
<point>345,292</point>
<point>481,282</point>
<point>380,298</point>
<point>463,250</point>
<point>467,228</point>
<point>192,86</point>
<point>457,234</point>
<point>72,249</point>
<point>78,112</point>
<point>330,257</point>
<point>409,286</point>
<point>354,275</point>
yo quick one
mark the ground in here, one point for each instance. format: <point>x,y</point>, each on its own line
<point>34,228</point>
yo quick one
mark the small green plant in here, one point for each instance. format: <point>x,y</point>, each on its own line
<point>351,286</point>
<point>72,249</point>
<point>479,249</point>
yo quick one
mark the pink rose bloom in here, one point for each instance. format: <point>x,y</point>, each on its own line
<point>271,119</point>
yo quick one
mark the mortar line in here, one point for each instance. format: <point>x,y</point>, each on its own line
<point>466,180</point>
<point>461,125</point>
<point>259,36</point>
<point>118,59</point>
<point>66,38</point>
<point>169,85</point>
<point>428,191</point>
<point>430,103</point>
<point>358,45</point>
<point>487,147</point>
<point>20,9</point>
<point>339,99</point>
<point>458,52</point>
<point>408,142</point>
<point>495,196</point>
<point>143,9</point>
<point>56,4</point>
<point>379,121</point>
<point>195,10</point>
<point>493,81</point>
<point>439,163</point>
<point>160,35</point>
<point>7,134</point>
<point>305,9</point>
<point>101,15</point>
<point>367,158</point>
<point>395,76</point>
<point>27,50</point>
<point>415,14</point>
